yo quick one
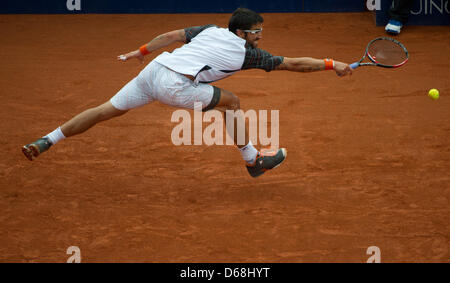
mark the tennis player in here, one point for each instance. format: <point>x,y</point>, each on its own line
<point>183,77</point>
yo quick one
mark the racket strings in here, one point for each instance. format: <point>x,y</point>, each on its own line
<point>387,52</point>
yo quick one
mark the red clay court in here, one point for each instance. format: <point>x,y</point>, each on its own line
<point>368,155</point>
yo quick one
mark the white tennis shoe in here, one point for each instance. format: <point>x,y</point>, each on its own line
<point>394,27</point>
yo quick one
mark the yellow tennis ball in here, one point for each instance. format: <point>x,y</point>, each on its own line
<point>433,94</point>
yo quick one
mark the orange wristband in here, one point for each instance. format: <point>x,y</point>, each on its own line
<point>329,64</point>
<point>143,50</point>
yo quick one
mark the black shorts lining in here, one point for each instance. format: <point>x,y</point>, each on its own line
<point>214,101</point>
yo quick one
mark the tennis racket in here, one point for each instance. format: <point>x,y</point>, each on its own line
<point>384,52</point>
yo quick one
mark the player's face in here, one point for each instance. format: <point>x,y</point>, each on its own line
<point>255,35</point>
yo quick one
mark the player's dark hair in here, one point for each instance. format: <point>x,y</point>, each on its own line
<point>244,19</point>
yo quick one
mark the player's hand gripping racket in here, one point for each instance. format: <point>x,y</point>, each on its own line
<point>384,52</point>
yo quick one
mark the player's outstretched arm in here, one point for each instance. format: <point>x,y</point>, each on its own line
<point>158,42</point>
<point>306,64</point>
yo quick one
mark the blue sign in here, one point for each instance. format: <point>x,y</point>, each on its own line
<point>176,6</point>
<point>424,12</point>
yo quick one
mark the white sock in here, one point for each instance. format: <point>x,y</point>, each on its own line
<point>249,153</point>
<point>56,136</point>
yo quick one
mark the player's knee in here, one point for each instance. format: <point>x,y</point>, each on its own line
<point>107,111</point>
<point>234,102</point>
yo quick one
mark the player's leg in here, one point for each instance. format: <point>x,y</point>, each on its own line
<point>229,101</point>
<point>177,90</point>
<point>258,162</point>
<point>130,96</point>
<point>87,119</point>
<point>77,125</point>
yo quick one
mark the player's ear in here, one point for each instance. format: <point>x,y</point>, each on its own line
<point>240,33</point>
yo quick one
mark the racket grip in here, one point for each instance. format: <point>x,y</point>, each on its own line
<point>354,65</point>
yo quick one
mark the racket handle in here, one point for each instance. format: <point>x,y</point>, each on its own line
<point>354,65</point>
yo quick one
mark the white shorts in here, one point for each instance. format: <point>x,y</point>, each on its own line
<point>156,82</point>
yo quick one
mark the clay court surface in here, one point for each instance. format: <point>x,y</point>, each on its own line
<point>368,155</point>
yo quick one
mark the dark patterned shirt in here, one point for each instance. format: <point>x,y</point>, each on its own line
<point>255,58</point>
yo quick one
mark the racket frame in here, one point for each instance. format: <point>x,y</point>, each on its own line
<point>374,62</point>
